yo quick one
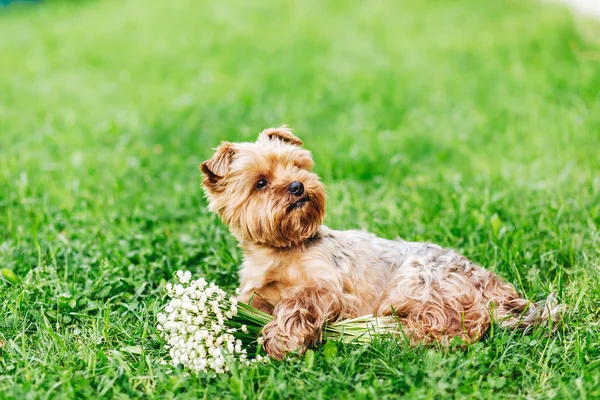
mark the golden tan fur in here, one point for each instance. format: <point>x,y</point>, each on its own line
<point>306,274</point>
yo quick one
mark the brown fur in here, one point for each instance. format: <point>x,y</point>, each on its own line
<point>306,274</point>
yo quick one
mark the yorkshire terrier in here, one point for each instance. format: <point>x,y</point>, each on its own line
<point>306,274</point>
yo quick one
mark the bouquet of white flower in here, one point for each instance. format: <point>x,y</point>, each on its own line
<point>204,326</point>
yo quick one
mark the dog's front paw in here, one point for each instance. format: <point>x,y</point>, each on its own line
<point>278,343</point>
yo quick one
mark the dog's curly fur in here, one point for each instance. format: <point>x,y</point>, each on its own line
<point>305,274</point>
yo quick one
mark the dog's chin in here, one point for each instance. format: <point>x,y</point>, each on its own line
<point>301,221</point>
<point>286,224</point>
<point>299,204</point>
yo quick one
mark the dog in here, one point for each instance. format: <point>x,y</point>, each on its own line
<point>306,274</point>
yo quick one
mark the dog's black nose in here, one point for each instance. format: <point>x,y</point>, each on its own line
<point>296,188</point>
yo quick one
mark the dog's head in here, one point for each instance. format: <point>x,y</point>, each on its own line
<point>265,191</point>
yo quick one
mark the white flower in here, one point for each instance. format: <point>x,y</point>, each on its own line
<point>184,277</point>
<point>196,326</point>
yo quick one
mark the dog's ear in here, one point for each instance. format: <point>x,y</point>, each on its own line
<point>283,133</point>
<point>217,166</point>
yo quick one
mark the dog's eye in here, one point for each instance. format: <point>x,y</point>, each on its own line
<point>261,184</point>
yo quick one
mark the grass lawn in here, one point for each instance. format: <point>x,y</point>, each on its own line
<point>472,124</point>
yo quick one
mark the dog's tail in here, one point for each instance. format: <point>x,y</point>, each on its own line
<point>523,314</point>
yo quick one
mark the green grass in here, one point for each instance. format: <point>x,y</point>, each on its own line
<point>472,124</point>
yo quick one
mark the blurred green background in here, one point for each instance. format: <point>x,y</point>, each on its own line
<point>475,125</point>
